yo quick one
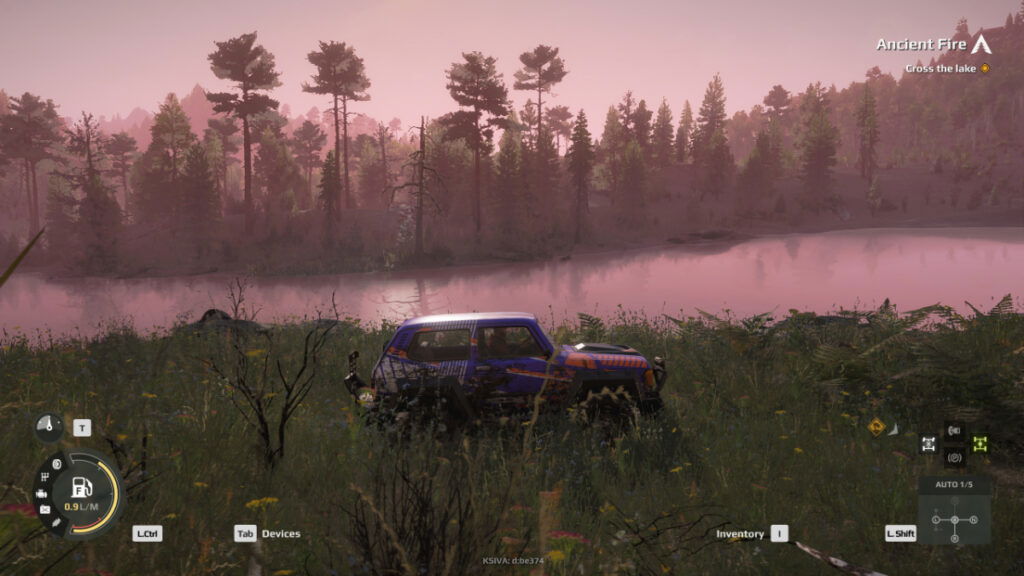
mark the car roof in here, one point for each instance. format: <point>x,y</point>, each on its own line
<point>467,317</point>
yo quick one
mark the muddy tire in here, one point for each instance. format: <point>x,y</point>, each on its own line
<point>613,408</point>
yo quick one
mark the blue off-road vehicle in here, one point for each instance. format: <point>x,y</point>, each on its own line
<point>501,364</point>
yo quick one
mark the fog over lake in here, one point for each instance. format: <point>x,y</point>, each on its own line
<point>819,272</point>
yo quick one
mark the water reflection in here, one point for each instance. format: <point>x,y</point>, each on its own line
<point>811,272</point>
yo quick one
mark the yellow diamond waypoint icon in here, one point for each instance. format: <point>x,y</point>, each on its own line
<point>876,426</point>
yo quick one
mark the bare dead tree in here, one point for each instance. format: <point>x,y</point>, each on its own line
<point>418,163</point>
<point>383,137</point>
<point>666,536</point>
<point>422,515</point>
<point>264,390</point>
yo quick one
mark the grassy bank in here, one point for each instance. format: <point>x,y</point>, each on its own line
<point>765,423</point>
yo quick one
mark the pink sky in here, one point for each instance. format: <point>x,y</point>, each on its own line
<point>108,57</point>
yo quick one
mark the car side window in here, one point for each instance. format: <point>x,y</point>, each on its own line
<point>439,346</point>
<point>507,342</point>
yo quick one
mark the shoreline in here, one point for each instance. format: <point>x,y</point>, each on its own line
<point>703,239</point>
<point>743,275</point>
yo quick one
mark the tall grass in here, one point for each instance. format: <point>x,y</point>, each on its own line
<point>765,423</point>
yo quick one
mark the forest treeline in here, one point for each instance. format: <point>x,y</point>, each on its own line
<point>486,178</point>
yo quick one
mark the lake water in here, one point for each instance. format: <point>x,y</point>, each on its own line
<point>819,272</point>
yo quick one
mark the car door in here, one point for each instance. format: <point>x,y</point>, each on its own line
<point>441,352</point>
<point>510,359</point>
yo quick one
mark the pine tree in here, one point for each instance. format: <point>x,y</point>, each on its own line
<point>330,186</point>
<point>544,183</point>
<point>122,149</point>
<point>559,123</point>
<point>634,181</point>
<point>99,225</point>
<point>963,33</point>
<point>32,131</point>
<point>711,153</point>
<point>757,179</point>
<point>509,194</point>
<point>172,131</point>
<point>307,141</point>
<point>626,110</point>
<point>684,134</point>
<point>542,69</point>
<point>777,101</point>
<point>157,193</point>
<point>225,129</point>
<point>276,173</point>
<point>99,216</point>
<point>528,118</point>
<point>251,67</point>
<point>384,136</point>
<point>581,163</point>
<point>662,146</point>
<point>61,215</point>
<point>642,128</point>
<point>710,119</point>
<point>215,157</point>
<point>475,84</point>
<point>819,143</point>
<point>614,138</point>
<point>200,202</point>
<point>717,165</point>
<point>341,75</point>
<point>867,126</point>
<point>373,182</point>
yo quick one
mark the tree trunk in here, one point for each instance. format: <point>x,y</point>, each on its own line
<point>419,195</point>
<point>34,199</point>
<point>309,183</point>
<point>540,109</point>
<point>384,169</point>
<point>28,200</point>
<point>247,168</point>
<point>348,191</point>
<point>476,180</point>
<point>333,203</point>
<point>124,183</point>
<point>580,199</point>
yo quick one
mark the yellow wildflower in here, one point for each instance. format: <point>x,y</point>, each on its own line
<point>261,503</point>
